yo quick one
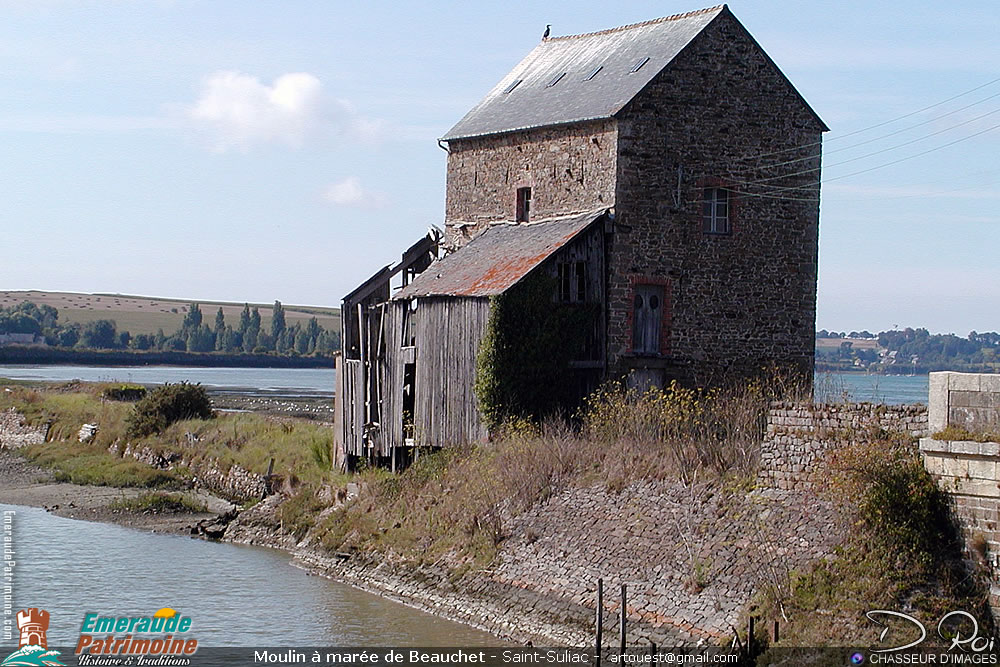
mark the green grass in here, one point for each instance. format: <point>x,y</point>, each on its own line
<point>251,441</point>
<point>160,503</point>
<point>299,447</point>
<point>92,465</point>
<point>959,433</point>
<point>67,407</point>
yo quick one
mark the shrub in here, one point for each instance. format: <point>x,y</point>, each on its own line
<point>960,433</point>
<point>166,405</point>
<point>676,431</point>
<point>897,503</point>
<point>124,392</point>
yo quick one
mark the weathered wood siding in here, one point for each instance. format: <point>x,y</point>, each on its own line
<point>353,401</point>
<point>389,375</point>
<point>448,333</point>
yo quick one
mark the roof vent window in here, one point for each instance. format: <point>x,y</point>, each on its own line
<point>512,86</point>
<point>555,79</point>
<point>638,66</point>
<point>593,73</point>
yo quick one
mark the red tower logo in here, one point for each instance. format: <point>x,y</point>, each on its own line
<point>33,623</point>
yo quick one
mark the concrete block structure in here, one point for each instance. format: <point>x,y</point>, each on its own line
<point>967,470</point>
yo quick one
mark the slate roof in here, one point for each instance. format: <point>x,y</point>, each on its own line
<point>533,103</point>
<point>498,258</point>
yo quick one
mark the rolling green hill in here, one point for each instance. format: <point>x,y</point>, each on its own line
<point>140,314</point>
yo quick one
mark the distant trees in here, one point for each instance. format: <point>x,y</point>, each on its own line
<point>99,334</point>
<point>194,334</point>
<point>914,349</point>
<point>277,320</point>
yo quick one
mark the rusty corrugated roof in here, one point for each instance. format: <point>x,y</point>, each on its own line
<point>498,258</point>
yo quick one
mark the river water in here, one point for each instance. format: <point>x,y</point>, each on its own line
<point>892,389</point>
<point>235,595</point>
<point>285,380</point>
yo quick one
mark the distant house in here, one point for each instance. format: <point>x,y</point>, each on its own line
<point>21,339</point>
<point>659,180</point>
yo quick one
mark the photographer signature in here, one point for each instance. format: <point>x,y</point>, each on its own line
<point>972,642</point>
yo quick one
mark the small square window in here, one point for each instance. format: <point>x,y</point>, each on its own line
<point>523,213</point>
<point>715,211</point>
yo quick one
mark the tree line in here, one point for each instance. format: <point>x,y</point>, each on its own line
<point>194,335</point>
<point>915,349</point>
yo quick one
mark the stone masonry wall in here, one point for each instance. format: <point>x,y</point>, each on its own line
<point>14,432</point>
<point>569,170</point>
<point>236,483</point>
<point>799,436</point>
<point>968,470</point>
<point>742,300</point>
<point>691,557</point>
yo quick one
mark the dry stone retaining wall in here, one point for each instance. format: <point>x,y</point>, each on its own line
<point>236,484</point>
<point>691,557</point>
<point>14,432</point>
<point>800,435</point>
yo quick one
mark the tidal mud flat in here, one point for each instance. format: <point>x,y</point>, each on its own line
<point>22,483</point>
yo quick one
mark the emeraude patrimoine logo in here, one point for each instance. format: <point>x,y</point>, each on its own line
<point>129,635</point>
<point>33,647</point>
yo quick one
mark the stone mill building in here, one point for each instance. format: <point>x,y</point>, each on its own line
<point>640,202</point>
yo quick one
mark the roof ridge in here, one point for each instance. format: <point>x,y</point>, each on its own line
<point>672,17</point>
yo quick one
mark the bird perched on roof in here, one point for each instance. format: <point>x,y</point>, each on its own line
<point>548,29</point>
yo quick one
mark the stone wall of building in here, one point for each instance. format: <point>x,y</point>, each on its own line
<point>14,432</point>
<point>799,436</point>
<point>742,300</point>
<point>569,169</point>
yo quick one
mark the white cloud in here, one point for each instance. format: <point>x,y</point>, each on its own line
<point>237,110</point>
<point>349,192</point>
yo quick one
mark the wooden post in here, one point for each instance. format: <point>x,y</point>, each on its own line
<point>750,636</point>
<point>268,478</point>
<point>599,622</point>
<point>623,621</point>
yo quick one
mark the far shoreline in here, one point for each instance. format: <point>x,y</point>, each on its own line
<point>53,356</point>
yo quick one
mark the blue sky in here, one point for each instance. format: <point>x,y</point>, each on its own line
<point>286,150</point>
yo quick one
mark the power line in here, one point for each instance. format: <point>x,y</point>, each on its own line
<point>866,141</point>
<point>877,125</point>
<point>886,164</point>
<point>872,154</point>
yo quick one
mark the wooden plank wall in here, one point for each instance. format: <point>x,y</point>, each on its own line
<point>353,407</point>
<point>389,370</point>
<point>448,333</point>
